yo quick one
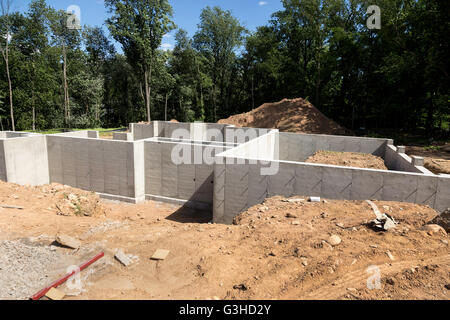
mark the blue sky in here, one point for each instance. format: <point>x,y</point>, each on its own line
<point>251,13</point>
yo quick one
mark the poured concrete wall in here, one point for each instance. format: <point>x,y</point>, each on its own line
<point>104,166</point>
<point>191,179</point>
<point>244,186</point>
<point>122,136</point>
<point>25,160</point>
<point>397,160</point>
<point>2,162</point>
<point>299,147</point>
<point>143,131</point>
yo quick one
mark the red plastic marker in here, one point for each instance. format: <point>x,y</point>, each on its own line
<point>59,282</point>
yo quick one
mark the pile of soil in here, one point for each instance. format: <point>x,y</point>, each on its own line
<point>71,201</point>
<point>64,200</point>
<point>281,249</point>
<point>436,160</point>
<point>348,159</point>
<point>288,115</point>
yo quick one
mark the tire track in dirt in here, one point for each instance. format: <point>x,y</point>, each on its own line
<point>359,276</point>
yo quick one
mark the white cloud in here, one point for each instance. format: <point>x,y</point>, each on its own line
<point>262,3</point>
<point>167,35</point>
<point>166,46</point>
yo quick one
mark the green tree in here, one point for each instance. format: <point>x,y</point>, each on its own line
<point>139,25</point>
<point>219,36</point>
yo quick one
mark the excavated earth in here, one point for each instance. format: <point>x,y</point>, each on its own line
<point>282,249</point>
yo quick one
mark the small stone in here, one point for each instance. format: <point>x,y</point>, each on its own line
<point>340,225</point>
<point>324,215</point>
<point>389,254</point>
<point>291,216</point>
<point>67,241</point>
<point>373,246</point>
<point>390,281</point>
<point>314,199</point>
<point>351,289</point>
<point>296,223</point>
<point>434,228</point>
<point>305,262</point>
<point>447,286</point>
<point>444,242</point>
<point>334,240</point>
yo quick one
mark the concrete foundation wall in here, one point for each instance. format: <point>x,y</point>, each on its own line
<point>399,161</point>
<point>191,179</point>
<point>122,136</point>
<point>2,162</point>
<point>104,166</point>
<point>238,187</point>
<point>25,160</point>
<point>299,147</point>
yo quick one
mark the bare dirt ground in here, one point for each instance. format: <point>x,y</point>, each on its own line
<point>278,250</point>
<point>288,115</point>
<point>348,159</point>
<point>437,161</point>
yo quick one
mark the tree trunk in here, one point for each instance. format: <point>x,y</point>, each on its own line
<point>165,108</point>
<point>148,91</point>
<point>253,93</point>
<point>33,106</point>
<point>5,54</point>
<point>66,89</point>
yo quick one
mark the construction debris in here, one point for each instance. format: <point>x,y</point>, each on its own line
<point>160,254</point>
<point>55,294</point>
<point>123,258</point>
<point>383,221</point>
<point>6,206</point>
<point>67,241</point>
<point>314,199</point>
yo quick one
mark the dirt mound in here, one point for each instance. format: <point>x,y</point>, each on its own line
<point>288,115</point>
<point>281,249</point>
<point>296,230</point>
<point>70,201</point>
<point>437,160</point>
<point>348,159</point>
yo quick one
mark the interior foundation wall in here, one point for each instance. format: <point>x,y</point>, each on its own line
<point>104,166</point>
<point>241,186</point>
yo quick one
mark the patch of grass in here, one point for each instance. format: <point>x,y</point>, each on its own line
<point>102,131</point>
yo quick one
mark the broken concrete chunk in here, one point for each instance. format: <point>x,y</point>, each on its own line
<point>67,241</point>
<point>160,254</point>
<point>55,294</point>
<point>123,258</point>
<point>314,199</point>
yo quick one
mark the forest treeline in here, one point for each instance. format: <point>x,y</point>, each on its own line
<point>53,76</point>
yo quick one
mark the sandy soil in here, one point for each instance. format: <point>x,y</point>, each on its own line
<point>348,159</point>
<point>288,115</point>
<point>277,250</point>
<point>437,161</point>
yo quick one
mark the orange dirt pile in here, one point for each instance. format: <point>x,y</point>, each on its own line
<point>437,161</point>
<point>348,159</point>
<point>276,250</point>
<point>296,115</point>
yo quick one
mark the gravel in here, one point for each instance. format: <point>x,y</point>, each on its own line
<point>26,267</point>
